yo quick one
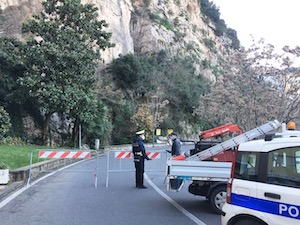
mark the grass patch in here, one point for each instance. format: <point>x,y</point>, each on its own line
<point>18,156</point>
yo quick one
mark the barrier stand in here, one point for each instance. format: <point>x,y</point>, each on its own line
<point>63,154</point>
<point>120,158</point>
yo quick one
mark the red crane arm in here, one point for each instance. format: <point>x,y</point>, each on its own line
<point>226,128</point>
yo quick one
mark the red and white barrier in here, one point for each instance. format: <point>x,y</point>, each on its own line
<point>64,154</point>
<point>123,155</point>
<point>153,155</point>
<point>128,155</point>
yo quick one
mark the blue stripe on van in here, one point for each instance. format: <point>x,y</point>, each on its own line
<point>267,206</point>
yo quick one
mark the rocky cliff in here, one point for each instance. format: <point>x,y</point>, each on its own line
<point>141,27</point>
<point>177,27</point>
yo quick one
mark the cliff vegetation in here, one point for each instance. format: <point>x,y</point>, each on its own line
<point>107,68</point>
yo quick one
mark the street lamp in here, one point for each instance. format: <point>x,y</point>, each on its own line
<point>153,101</point>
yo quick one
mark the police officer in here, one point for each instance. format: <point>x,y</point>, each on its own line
<point>139,153</point>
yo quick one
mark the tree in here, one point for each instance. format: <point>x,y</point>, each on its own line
<point>133,74</point>
<point>257,85</point>
<point>182,87</point>
<point>172,80</point>
<point>97,123</point>
<point>62,55</point>
<point>11,69</point>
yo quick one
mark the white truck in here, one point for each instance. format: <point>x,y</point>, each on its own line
<point>209,178</point>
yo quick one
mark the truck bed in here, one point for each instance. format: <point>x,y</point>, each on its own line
<point>180,171</point>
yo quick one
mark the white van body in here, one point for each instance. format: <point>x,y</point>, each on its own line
<point>264,188</point>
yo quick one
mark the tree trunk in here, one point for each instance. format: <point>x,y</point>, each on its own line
<point>46,129</point>
<point>75,133</point>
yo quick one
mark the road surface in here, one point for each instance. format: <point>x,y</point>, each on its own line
<point>69,197</point>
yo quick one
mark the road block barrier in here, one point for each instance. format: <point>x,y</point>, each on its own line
<point>128,155</point>
<point>122,161</point>
<point>63,154</point>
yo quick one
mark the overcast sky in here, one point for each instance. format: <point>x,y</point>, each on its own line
<point>277,21</point>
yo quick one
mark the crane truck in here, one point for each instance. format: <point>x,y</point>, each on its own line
<point>208,171</point>
<point>211,137</point>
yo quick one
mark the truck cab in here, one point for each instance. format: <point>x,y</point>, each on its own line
<point>264,188</point>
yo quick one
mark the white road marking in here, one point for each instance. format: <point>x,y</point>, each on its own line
<point>175,204</point>
<point>20,191</point>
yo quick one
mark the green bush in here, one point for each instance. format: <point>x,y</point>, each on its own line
<point>210,10</point>
<point>162,21</point>
<point>212,13</point>
<point>5,123</point>
<point>205,64</point>
<point>232,35</point>
<point>220,28</point>
<point>209,43</point>
<point>12,141</point>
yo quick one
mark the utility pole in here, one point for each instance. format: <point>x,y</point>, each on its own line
<point>153,101</point>
<point>79,137</point>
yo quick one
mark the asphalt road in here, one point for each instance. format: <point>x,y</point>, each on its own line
<point>71,198</point>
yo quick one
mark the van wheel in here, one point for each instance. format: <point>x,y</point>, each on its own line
<point>248,222</point>
<point>217,198</point>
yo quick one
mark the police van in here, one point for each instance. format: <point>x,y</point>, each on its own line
<point>264,188</point>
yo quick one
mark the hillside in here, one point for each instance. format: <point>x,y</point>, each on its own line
<point>173,50</point>
<point>144,27</point>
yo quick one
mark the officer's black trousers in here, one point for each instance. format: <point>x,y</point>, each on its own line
<point>139,172</point>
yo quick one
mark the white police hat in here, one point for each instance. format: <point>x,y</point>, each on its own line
<point>140,132</point>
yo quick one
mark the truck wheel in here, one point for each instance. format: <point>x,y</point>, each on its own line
<point>248,222</point>
<point>217,198</point>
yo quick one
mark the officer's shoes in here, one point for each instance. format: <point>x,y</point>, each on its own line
<point>141,187</point>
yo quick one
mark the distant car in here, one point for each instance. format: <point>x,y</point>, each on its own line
<point>264,188</point>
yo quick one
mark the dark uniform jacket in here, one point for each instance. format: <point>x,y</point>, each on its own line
<point>138,149</point>
<point>176,147</point>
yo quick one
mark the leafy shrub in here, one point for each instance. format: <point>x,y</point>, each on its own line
<point>220,28</point>
<point>211,12</point>
<point>162,21</point>
<point>209,43</point>
<point>232,35</point>
<point>179,36</point>
<point>5,123</point>
<point>12,141</point>
<point>205,64</point>
<point>190,46</point>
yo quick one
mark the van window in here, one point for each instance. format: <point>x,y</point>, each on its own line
<point>284,167</point>
<point>246,166</point>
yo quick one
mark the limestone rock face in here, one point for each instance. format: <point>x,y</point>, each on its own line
<point>117,13</point>
<point>139,26</point>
